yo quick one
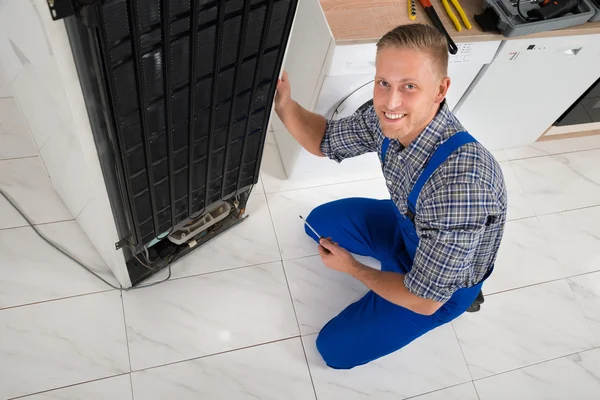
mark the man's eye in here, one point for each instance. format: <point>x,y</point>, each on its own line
<point>383,83</point>
<point>410,86</point>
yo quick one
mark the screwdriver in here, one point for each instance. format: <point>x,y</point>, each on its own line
<point>313,231</point>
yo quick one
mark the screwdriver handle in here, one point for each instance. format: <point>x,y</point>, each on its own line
<point>412,10</point>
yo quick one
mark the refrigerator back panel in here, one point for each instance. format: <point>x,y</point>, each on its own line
<point>189,88</point>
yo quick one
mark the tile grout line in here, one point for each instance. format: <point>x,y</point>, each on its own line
<point>17,158</point>
<point>461,350</point>
<point>323,185</point>
<point>125,328</point>
<point>57,299</point>
<point>278,244</point>
<point>476,391</point>
<point>216,354</point>
<point>66,386</point>
<point>299,330</point>
<point>287,282</point>
<point>84,207</point>
<point>15,227</point>
<point>131,385</point>
<point>521,218</point>
<point>277,240</point>
<point>312,382</point>
<point>566,210</point>
<point>549,154</point>
<point>536,363</point>
<point>173,279</point>
<point>543,283</point>
<point>436,390</point>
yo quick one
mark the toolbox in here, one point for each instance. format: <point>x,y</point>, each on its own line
<point>507,20</point>
<point>596,6</point>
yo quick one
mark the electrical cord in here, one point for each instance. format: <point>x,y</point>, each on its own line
<point>12,203</point>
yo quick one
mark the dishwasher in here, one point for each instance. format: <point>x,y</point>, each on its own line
<point>529,84</point>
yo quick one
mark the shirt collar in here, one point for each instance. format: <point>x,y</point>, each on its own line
<point>421,149</point>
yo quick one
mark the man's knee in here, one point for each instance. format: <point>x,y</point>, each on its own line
<point>320,219</point>
<point>335,351</point>
<point>320,214</point>
<point>331,351</point>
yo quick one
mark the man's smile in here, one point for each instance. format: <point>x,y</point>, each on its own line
<point>393,117</point>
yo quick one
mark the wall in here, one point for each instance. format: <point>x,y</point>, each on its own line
<point>38,64</point>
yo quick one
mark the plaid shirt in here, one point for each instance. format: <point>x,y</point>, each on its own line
<point>458,244</point>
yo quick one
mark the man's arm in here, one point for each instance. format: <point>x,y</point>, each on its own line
<point>452,222</point>
<point>336,139</point>
<point>306,127</point>
<point>389,285</point>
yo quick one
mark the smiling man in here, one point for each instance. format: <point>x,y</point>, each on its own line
<point>438,236</point>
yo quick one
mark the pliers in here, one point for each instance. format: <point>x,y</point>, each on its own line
<point>462,14</point>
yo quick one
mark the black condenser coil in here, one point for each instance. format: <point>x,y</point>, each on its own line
<point>179,94</point>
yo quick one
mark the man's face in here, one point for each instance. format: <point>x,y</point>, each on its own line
<point>408,91</point>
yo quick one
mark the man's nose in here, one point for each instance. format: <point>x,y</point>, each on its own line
<point>394,100</point>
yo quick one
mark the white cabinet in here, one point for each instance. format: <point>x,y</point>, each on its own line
<point>307,48</point>
<point>528,85</point>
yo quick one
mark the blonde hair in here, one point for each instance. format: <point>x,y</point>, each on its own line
<point>419,37</point>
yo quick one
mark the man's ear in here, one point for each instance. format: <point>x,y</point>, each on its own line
<point>442,89</point>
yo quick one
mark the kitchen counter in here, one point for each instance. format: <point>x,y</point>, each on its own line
<point>359,21</point>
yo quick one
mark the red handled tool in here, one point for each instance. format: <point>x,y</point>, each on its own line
<point>437,22</point>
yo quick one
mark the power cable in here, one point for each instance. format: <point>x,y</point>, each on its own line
<point>51,243</point>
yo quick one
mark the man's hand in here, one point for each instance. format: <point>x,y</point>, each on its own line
<point>387,284</point>
<point>335,257</point>
<point>283,95</point>
<point>306,127</point>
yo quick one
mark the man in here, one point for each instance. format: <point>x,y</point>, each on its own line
<point>438,235</point>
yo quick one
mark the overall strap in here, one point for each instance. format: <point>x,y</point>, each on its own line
<point>439,156</point>
<point>384,147</point>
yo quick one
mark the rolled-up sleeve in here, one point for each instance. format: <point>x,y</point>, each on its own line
<point>452,224</point>
<point>350,136</point>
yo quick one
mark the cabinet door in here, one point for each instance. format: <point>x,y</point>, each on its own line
<point>528,85</point>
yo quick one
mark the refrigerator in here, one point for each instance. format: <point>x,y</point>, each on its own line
<point>170,103</point>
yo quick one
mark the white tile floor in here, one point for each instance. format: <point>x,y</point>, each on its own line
<point>240,316</point>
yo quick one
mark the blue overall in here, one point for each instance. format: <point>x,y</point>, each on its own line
<point>373,327</point>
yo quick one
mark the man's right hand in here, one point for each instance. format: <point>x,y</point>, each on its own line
<point>306,127</point>
<point>284,93</point>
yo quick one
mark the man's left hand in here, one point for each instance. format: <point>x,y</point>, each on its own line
<point>335,257</point>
